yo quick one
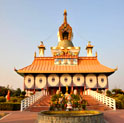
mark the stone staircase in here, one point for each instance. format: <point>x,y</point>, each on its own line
<point>93,104</point>
<point>41,105</point>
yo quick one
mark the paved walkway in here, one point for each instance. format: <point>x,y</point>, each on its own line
<point>30,117</point>
<point>19,117</point>
<point>112,116</point>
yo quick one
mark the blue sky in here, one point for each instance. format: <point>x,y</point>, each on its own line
<point>24,23</point>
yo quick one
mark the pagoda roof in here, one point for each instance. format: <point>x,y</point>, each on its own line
<point>46,65</point>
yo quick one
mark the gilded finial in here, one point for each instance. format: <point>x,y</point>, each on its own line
<point>41,42</point>
<point>65,12</point>
<point>34,54</point>
<point>96,54</point>
<point>116,68</point>
<point>65,16</point>
<point>89,42</point>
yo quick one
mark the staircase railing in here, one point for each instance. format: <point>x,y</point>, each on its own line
<point>25,103</point>
<point>102,98</point>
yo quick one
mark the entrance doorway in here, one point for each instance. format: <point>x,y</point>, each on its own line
<point>52,90</point>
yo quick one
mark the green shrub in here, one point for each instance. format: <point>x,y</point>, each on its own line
<point>10,106</point>
<point>22,96</point>
<point>15,99</point>
<point>100,91</point>
<point>75,97</point>
<point>56,97</point>
<point>119,104</point>
<point>23,93</point>
<point>108,93</point>
<point>2,99</point>
<point>117,91</point>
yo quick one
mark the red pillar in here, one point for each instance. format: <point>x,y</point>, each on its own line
<point>84,83</point>
<point>54,90</point>
<point>24,83</point>
<point>107,83</point>
<point>97,82</point>
<point>34,86</point>
<point>81,91</point>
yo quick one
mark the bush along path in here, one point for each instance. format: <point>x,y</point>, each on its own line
<point>118,95</point>
<point>10,99</point>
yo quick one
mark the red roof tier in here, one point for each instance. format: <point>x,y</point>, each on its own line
<point>85,65</point>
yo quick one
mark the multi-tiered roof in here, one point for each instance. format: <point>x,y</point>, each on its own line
<point>65,57</point>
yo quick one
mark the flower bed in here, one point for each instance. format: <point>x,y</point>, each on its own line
<point>59,102</point>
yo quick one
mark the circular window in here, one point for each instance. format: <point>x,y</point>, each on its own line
<point>53,79</point>
<point>40,80</point>
<point>29,80</point>
<point>78,79</point>
<point>102,80</point>
<point>91,80</point>
<point>65,79</point>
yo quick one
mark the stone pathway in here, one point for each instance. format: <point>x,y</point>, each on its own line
<point>19,117</point>
<point>112,116</point>
<point>30,117</point>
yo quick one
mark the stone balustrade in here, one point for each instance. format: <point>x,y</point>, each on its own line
<point>110,102</point>
<point>25,103</point>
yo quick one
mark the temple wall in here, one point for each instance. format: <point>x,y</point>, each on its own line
<point>44,81</point>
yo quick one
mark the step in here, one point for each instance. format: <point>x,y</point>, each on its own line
<point>94,104</point>
<point>41,105</point>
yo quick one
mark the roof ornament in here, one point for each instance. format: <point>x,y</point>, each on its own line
<point>89,42</point>
<point>89,48</point>
<point>41,42</point>
<point>96,54</point>
<point>116,68</point>
<point>65,16</point>
<point>35,54</point>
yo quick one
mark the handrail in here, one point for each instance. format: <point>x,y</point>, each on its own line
<point>25,103</point>
<point>102,98</point>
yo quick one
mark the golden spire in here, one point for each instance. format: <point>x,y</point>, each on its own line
<point>96,54</point>
<point>65,16</point>
<point>34,54</point>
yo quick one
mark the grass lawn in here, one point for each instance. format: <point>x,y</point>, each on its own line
<point>3,114</point>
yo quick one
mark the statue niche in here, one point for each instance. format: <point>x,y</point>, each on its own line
<point>65,35</point>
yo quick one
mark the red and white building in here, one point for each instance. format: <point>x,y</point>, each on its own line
<point>65,67</point>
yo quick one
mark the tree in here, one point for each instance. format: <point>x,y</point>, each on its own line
<point>108,93</point>
<point>117,91</point>
<point>17,92</point>
<point>23,93</point>
<point>3,91</point>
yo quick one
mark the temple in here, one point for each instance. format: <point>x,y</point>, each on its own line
<point>65,67</point>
